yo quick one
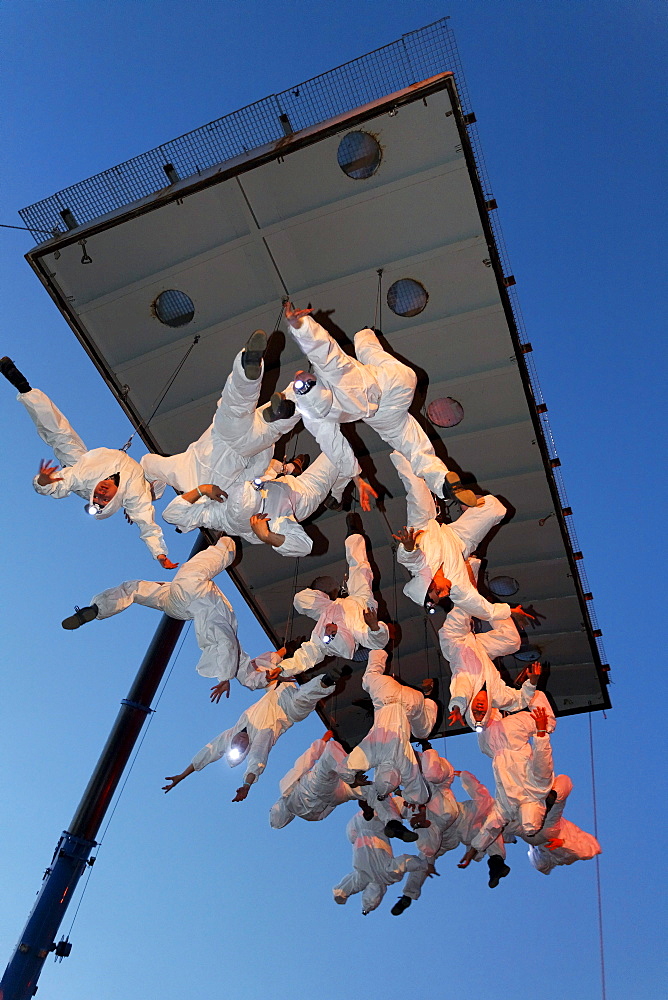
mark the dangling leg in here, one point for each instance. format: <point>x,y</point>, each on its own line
<point>53,428</point>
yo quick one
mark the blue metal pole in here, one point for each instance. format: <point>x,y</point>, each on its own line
<point>60,880</point>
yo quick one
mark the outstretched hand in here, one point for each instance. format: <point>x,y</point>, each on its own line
<point>408,537</point>
<point>468,858</point>
<point>366,492</point>
<point>370,616</point>
<point>455,718</point>
<point>360,780</point>
<point>241,793</point>
<point>213,492</point>
<point>539,716</point>
<point>46,474</point>
<point>526,616</point>
<point>174,779</point>
<point>218,690</point>
<point>166,563</point>
<point>295,316</point>
<point>260,526</point>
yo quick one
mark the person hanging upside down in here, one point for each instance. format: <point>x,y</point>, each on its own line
<point>374,387</point>
<point>344,624</point>
<point>374,866</point>
<point>398,710</point>
<point>238,444</point>
<point>192,596</point>
<point>266,511</point>
<point>469,818</point>
<point>250,740</point>
<point>313,788</point>
<point>470,657</point>
<point>523,773</point>
<point>435,554</point>
<point>106,478</point>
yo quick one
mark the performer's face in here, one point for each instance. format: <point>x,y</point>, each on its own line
<point>440,587</point>
<point>105,491</point>
<point>479,706</point>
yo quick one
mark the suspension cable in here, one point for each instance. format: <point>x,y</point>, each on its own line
<point>596,859</point>
<point>169,385</point>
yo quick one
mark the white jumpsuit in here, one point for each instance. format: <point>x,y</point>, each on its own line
<point>374,866</point>
<point>313,788</point>
<point>523,773</point>
<point>238,443</point>
<point>470,657</point>
<point>577,844</point>
<point>191,595</point>
<point>446,546</point>
<point>346,612</point>
<point>377,388</point>
<point>83,470</point>
<point>398,710</point>
<point>265,721</point>
<point>470,817</point>
<point>287,500</point>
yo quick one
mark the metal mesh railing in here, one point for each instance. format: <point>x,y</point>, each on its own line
<point>412,58</point>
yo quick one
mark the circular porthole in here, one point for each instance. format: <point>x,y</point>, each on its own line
<point>503,586</point>
<point>407,297</point>
<point>359,155</point>
<point>445,412</point>
<point>174,308</point>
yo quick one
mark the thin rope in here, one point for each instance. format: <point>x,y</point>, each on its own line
<point>169,385</point>
<point>127,775</point>
<point>598,870</point>
<point>30,229</point>
<point>288,634</point>
<point>378,309</point>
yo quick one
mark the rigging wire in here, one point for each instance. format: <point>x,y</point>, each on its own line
<point>291,616</point>
<point>91,861</point>
<point>596,859</point>
<point>169,385</point>
<point>377,311</point>
<point>31,229</point>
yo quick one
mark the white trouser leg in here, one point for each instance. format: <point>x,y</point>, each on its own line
<point>360,575</point>
<point>311,488</point>
<point>237,422</point>
<point>392,421</point>
<point>420,506</point>
<point>116,599</point>
<point>53,428</point>
<point>475,522</point>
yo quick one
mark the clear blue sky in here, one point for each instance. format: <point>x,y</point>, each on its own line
<point>193,896</point>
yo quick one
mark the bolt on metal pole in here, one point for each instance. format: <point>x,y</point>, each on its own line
<point>73,850</point>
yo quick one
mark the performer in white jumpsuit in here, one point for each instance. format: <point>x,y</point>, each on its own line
<point>238,444</point>
<point>560,842</point>
<point>257,729</point>
<point>106,478</point>
<point>268,512</point>
<point>398,710</point>
<point>523,773</point>
<point>313,788</point>
<point>435,554</point>
<point>191,596</point>
<point>470,657</point>
<point>374,866</point>
<point>374,387</point>
<point>354,616</point>
<point>469,818</point>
